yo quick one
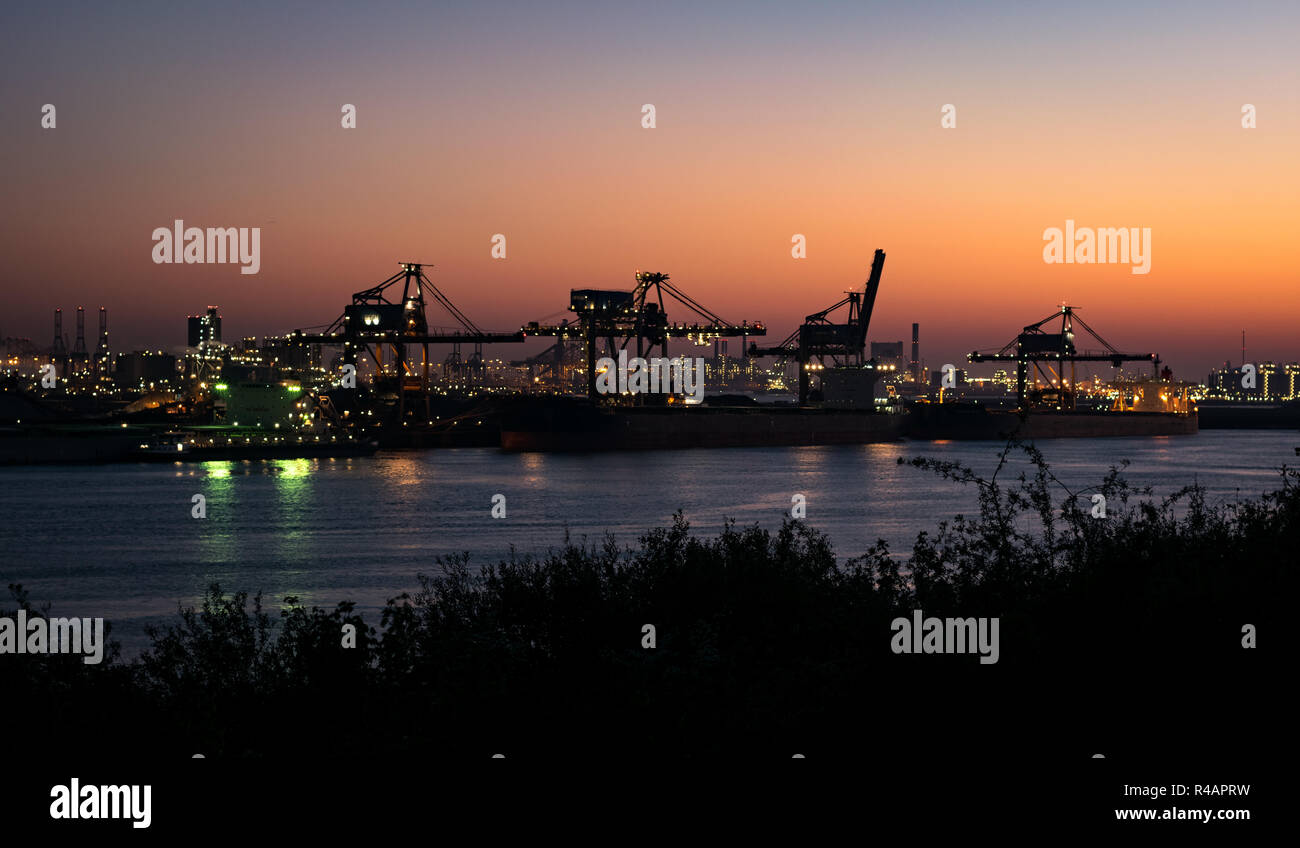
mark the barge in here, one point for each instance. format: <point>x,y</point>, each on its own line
<point>191,446</point>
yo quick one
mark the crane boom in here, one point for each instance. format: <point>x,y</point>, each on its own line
<point>869,296</point>
<point>818,337</point>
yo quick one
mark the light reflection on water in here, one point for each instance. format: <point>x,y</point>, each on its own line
<point>119,541</point>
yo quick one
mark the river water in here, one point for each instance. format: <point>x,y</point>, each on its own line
<point>119,541</point>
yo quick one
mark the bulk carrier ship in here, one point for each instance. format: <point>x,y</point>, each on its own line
<point>575,424</point>
<point>836,382</point>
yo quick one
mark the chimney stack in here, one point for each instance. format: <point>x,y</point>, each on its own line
<point>915,364</point>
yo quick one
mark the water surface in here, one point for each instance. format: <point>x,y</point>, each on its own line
<point>119,541</point>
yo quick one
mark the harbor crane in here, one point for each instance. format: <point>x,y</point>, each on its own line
<point>381,323</point>
<point>1048,353</point>
<point>818,337</point>
<point>616,318</point>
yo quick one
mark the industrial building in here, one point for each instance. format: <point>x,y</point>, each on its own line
<point>204,329</point>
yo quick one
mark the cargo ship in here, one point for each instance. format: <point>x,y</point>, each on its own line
<point>576,424</point>
<point>1239,415</point>
<point>836,380</point>
<point>960,421</point>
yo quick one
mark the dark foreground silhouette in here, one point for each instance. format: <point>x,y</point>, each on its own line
<point>1121,635</point>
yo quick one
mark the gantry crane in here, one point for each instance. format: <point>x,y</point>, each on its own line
<point>818,338</point>
<point>375,320</point>
<point>1039,349</point>
<point>618,317</point>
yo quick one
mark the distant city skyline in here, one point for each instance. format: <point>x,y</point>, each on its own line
<point>177,338</point>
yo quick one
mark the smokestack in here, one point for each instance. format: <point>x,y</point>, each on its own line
<point>80,348</point>
<point>59,348</point>
<point>1243,348</point>
<point>915,364</point>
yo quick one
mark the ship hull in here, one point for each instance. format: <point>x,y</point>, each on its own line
<point>961,422</point>
<point>582,427</point>
<point>1249,416</point>
<point>85,447</point>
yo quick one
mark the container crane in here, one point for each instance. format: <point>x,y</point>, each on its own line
<point>377,320</point>
<point>617,317</point>
<point>1040,350</point>
<point>818,337</point>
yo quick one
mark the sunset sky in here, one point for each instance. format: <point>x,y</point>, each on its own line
<point>772,119</point>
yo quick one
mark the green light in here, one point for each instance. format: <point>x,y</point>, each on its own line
<point>221,387</point>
